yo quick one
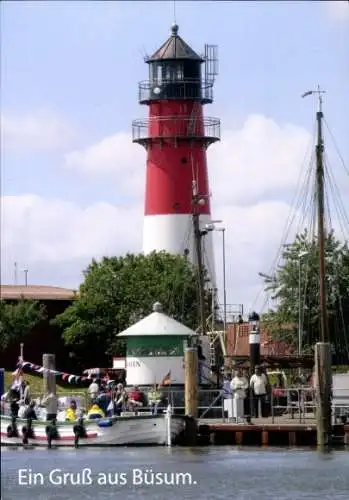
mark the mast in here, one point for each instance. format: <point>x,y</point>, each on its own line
<point>198,200</point>
<point>323,375</point>
<point>320,199</point>
<point>321,222</point>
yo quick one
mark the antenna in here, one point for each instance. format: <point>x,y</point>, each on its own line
<point>319,93</point>
<point>211,63</point>
<point>174,12</point>
<point>16,273</point>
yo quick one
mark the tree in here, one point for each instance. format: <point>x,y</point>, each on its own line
<point>119,291</point>
<point>18,319</point>
<point>296,285</point>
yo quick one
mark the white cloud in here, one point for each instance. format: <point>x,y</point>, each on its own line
<point>40,130</point>
<point>41,233</point>
<point>251,172</point>
<point>338,10</point>
<point>115,155</point>
<point>53,230</point>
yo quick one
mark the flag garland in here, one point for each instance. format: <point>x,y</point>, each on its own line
<point>40,369</point>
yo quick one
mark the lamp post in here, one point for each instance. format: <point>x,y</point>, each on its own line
<point>300,333</point>
<point>212,227</point>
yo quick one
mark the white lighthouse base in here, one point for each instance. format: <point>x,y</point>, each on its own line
<point>175,233</point>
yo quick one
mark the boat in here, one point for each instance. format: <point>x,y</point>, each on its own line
<point>127,429</point>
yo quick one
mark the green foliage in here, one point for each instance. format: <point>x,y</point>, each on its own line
<point>296,285</point>
<point>18,319</point>
<point>119,291</point>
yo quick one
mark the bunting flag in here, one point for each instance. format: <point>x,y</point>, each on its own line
<point>40,369</point>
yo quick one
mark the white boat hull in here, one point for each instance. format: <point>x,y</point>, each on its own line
<point>137,430</point>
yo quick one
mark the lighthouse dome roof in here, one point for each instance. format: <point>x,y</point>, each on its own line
<point>157,323</point>
<point>175,48</point>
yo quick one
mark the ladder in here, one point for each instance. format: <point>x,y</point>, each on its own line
<point>212,354</point>
<point>195,113</point>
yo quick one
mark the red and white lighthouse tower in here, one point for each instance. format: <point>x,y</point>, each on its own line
<point>176,136</point>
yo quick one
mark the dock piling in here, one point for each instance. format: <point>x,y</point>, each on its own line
<point>191,381</point>
<point>49,378</point>
<point>323,387</point>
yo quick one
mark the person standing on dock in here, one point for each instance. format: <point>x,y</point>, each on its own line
<point>93,390</point>
<point>239,385</point>
<point>51,403</point>
<point>259,387</point>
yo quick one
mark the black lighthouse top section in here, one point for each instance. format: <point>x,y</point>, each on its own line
<point>175,48</point>
<point>175,72</point>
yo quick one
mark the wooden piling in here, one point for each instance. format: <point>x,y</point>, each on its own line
<point>49,378</point>
<point>323,388</point>
<point>191,381</point>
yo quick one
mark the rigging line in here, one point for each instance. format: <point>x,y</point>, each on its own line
<point>171,291</point>
<point>336,147</point>
<point>335,270</point>
<point>302,196</point>
<point>337,201</point>
<point>311,236</point>
<point>297,196</point>
<point>307,205</point>
<point>187,244</point>
<point>288,225</point>
<point>302,192</point>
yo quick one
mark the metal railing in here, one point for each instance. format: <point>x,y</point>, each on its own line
<point>300,403</point>
<point>172,127</point>
<point>297,403</point>
<point>175,89</point>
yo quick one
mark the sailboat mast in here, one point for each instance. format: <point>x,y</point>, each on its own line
<point>197,201</point>
<point>321,223</point>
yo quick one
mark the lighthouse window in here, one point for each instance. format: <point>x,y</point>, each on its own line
<point>179,72</point>
<point>159,74</point>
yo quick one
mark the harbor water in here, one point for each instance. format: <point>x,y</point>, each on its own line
<point>209,473</point>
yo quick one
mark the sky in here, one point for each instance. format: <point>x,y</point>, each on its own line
<point>72,180</point>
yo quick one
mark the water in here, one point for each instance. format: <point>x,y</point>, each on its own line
<point>216,473</point>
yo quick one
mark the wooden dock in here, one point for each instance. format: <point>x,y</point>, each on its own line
<point>264,432</point>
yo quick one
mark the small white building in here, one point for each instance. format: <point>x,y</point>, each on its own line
<point>155,350</point>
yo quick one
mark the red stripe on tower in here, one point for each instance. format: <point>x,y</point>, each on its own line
<point>176,136</point>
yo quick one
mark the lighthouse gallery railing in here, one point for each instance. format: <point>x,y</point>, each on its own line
<point>176,89</point>
<point>172,127</point>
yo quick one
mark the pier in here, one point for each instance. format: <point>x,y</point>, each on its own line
<point>265,432</point>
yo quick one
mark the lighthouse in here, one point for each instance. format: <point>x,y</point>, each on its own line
<point>176,136</point>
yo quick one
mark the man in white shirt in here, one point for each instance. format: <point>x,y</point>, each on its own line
<point>93,390</point>
<point>51,403</point>
<point>239,386</point>
<point>259,388</point>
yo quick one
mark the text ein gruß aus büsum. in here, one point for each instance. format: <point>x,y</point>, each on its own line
<point>87,477</point>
